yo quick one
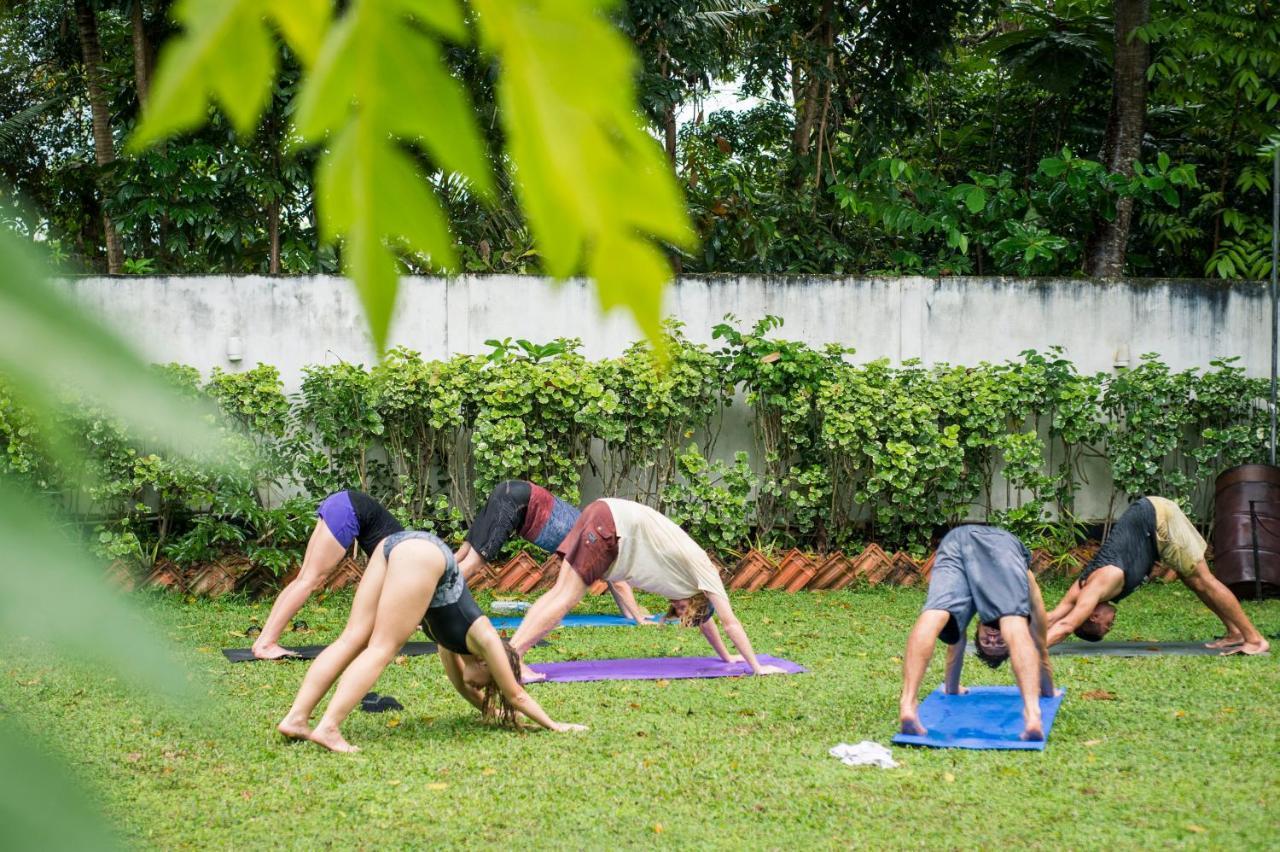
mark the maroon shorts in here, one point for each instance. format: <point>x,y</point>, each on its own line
<point>591,546</point>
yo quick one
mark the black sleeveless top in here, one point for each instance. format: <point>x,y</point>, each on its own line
<point>375,522</point>
<point>448,624</point>
<point>1131,547</point>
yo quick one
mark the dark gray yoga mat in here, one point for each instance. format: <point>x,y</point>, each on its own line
<point>1133,649</point>
<point>1127,649</point>
<point>310,652</point>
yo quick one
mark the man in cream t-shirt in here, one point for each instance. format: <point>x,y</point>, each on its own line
<point>1152,528</point>
<point>623,541</point>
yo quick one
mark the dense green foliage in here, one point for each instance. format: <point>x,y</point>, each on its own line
<point>943,137</point>
<point>845,452</point>
<point>730,763</point>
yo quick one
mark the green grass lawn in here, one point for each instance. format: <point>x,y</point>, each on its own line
<point>1186,753</point>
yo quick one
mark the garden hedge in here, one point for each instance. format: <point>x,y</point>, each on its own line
<point>846,452</point>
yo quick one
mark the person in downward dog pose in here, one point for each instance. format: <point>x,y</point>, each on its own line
<point>620,540</point>
<point>982,570</point>
<point>1151,528</point>
<point>415,582</point>
<point>519,507</point>
<point>344,517</point>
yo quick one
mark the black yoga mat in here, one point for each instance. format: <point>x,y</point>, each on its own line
<point>1133,649</point>
<point>310,652</point>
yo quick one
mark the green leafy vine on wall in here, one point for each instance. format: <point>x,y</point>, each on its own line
<point>846,452</point>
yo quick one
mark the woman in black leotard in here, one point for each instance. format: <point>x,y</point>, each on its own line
<point>416,582</point>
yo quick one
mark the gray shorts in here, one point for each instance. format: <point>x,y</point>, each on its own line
<point>979,570</point>
<point>451,584</point>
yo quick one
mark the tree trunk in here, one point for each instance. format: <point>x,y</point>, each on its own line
<point>669,131</point>
<point>1106,252</point>
<point>668,111</point>
<point>103,144</point>
<point>804,94</point>
<point>273,226</point>
<point>141,53</point>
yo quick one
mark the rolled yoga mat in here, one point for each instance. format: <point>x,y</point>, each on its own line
<point>988,717</point>
<point>654,668</point>
<point>511,622</point>
<point>310,652</point>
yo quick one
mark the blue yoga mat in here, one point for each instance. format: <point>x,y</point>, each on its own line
<point>512,622</point>
<point>989,717</point>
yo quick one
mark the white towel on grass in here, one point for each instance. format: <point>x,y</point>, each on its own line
<point>865,753</point>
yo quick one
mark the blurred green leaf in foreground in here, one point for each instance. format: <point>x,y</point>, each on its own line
<point>51,591</point>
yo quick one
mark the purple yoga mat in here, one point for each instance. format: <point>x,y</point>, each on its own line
<point>655,668</point>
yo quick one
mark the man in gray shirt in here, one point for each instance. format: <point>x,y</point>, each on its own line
<point>982,570</point>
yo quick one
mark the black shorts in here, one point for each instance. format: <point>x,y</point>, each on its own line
<point>501,516</point>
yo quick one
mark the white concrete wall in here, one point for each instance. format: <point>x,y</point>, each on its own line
<point>293,322</point>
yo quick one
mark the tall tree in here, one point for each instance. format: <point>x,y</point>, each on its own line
<point>684,47</point>
<point>143,58</point>
<point>844,62</point>
<point>103,143</point>
<point>1125,124</point>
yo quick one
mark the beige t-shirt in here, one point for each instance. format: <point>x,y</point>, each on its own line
<point>654,554</point>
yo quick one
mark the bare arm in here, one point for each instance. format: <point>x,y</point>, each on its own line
<point>1040,633</point>
<point>1087,598</point>
<point>712,634</point>
<point>508,681</point>
<point>627,604</point>
<point>737,635</point>
<point>1064,606</point>
<point>955,664</point>
<point>453,670</point>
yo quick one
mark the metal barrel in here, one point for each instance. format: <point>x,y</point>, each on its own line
<point>1246,530</point>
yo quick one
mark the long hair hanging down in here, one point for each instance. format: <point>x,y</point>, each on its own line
<point>696,611</point>
<point>495,706</point>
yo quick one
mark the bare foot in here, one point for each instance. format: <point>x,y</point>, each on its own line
<point>528,675</point>
<point>1249,649</point>
<point>910,725</point>
<point>272,652</point>
<point>1228,641</point>
<point>295,729</point>
<point>1034,731</point>
<point>331,738</point>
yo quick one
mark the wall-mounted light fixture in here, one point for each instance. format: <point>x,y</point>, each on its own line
<point>1121,359</point>
<point>235,349</point>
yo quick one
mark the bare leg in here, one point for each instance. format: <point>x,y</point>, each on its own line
<point>1219,599</point>
<point>546,612</point>
<point>323,553</point>
<point>914,664</point>
<point>332,660</point>
<point>1025,659</point>
<point>411,578</point>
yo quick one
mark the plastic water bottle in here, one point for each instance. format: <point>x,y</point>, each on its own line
<point>506,607</point>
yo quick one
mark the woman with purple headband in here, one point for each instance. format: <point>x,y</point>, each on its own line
<point>344,517</point>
